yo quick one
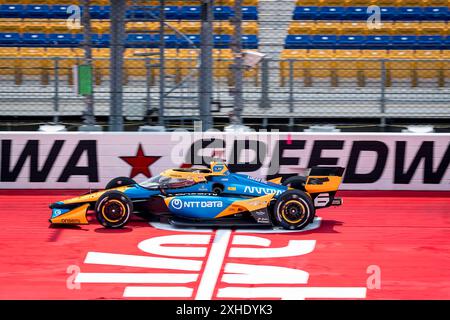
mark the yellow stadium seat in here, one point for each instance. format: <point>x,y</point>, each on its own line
<point>353,28</point>
<point>338,3</point>
<point>298,65</point>
<point>222,28</point>
<point>372,66</point>
<point>189,27</point>
<point>99,26</point>
<point>67,58</point>
<point>386,28</point>
<point>347,68</point>
<point>433,28</point>
<point>366,3</point>
<point>10,25</point>
<point>59,26</point>
<point>135,63</point>
<point>435,3</point>
<point>10,65</point>
<point>35,26</point>
<point>100,2</point>
<point>223,59</point>
<point>401,64</point>
<point>250,27</point>
<point>100,62</point>
<point>406,28</point>
<point>17,2</point>
<point>319,68</point>
<point>188,63</point>
<point>142,27</point>
<point>446,63</point>
<point>308,2</point>
<point>302,27</point>
<point>409,3</point>
<point>68,2</point>
<point>231,2</point>
<point>428,69</point>
<point>33,61</point>
<point>328,27</point>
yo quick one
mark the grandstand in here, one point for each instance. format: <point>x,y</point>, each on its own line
<point>324,61</point>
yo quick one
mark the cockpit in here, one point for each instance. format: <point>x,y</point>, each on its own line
<point>165,182</point>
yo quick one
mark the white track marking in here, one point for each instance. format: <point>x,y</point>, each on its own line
<point>136,277</point>
<point>260,274</point>
<point>158,292</point>
<point>158,245</point>
<point>293,293</point>
<point>213,265</point>
<point>294,248</point>
<point>251,241</point>
<point>142,261</point>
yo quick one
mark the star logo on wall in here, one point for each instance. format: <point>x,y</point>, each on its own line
<point>140,163</point>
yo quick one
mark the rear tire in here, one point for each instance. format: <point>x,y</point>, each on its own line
<point>113,209</point>
<point>294,209</point>
<point>119,182</point>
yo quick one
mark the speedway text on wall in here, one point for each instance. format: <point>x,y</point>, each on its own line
<point>90,160</point>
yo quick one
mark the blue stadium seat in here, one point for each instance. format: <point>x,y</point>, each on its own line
<point>11,11</point>
<point>184,43</point>
<point>249,41</point>
<point>9,39</point>
<point>306,13</point>
<point>430,42</point>
<point>139,41</point>
<point>34,39</point>
<point>403,42</point>
<point>436,13</point>
<point>190,13</point>
<point>324,41</point>
<point>37,11</point>
<point>222,41</point>
<point>171,12</point>
<point>446,42</point>
<point>356,13</point>
<point>100,40</point>
<point>170,41</point>
<point>222,12</point>
<point>377,42</point>
<point>410,13</point>
<point>388,13</point>
<point>249,13</point>
<point>59,12</point>
<point>331,13</point>
<point>140,12</point>
<point>351,42</point>
<point>297,42</point>
<point>61,39</point>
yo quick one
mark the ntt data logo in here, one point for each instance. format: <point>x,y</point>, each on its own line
<point>177,204</point>
<point>211,264</point>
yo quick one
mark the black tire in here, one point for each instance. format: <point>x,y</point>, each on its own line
<point>296,182</point>
<point>119,182</point>
<point>217,189</point>
<point>293,209</point>
<point>113,209</point>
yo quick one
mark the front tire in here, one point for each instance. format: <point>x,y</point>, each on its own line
<point>294,209</point>
<point>113,209</point>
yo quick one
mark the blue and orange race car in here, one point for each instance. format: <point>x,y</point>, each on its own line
<point>207,197</point>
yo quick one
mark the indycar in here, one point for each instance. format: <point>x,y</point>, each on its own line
<point>205,197</point>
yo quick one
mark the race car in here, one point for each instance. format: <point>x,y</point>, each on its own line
<point>205,197</point>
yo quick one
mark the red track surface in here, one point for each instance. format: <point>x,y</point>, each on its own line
<point>405,234</point>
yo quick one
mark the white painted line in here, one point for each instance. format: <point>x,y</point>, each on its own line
<point>136,277</point>
<point>213,265</point>
<point>158,292</point>
<point>129,260</point>
<point>293,293</point>
<point>293,249</point>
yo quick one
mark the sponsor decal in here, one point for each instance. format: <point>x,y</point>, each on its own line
<point>140,163</point>
<point>372,161</point>
<point>181,204</point>
<point>322,200</point>
<point>261,190</point>
<point>212,264</point>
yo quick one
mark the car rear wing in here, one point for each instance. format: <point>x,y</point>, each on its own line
<point>324,179</point>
